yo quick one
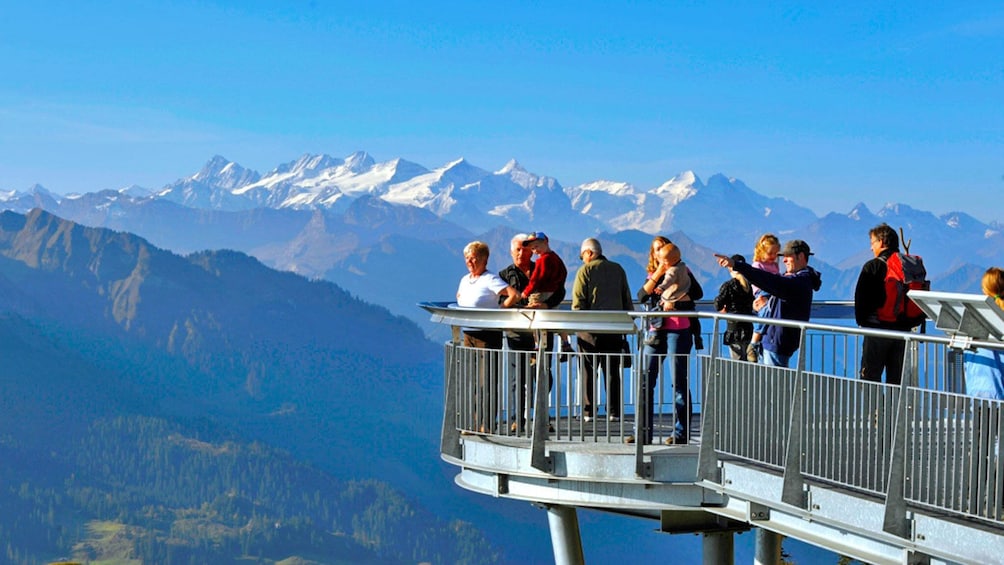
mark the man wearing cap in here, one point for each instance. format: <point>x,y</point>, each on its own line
<point>518,276</point>
<point>549,272</point>
<point>791,297</point>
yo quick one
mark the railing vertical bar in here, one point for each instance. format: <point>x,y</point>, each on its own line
<point>954,467</point>
<point>978,490</point>
<point>998,475</point>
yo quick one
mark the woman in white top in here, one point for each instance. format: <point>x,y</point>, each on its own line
<point>482,289</point>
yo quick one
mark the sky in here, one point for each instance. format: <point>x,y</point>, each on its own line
<point>827,104</point>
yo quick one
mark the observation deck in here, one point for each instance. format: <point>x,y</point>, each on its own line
<point>907,473</point>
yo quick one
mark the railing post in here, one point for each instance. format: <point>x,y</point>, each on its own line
<point>707,458</point>
<point>793,489</point>
<point>538,456</point>
<point>895,521</point>
<point>639,371</point>
<point>450,436</point>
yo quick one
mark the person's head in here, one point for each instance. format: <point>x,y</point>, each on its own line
<point>993,284</point>
<point>520,254</point>
<point>537,242</point>
<point>796,255</point>
<point>738,258</point>
<point>476,257</point>
<point>669,255</point>
<point>883,237</point>
<point>653,260</point>
<point>767,248</point>
<point>590,249</point>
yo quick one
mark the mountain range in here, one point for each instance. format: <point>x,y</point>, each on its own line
<point>392,232</point>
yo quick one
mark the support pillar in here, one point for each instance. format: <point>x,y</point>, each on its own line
<point>719,548</point>
<point>565,538</point>
<point>768,547</point>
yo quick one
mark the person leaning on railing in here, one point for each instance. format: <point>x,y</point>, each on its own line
<point>482,289</point>
<point>985,367</point>
<point>518,274</point>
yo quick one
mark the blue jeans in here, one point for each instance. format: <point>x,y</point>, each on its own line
<point>774,359</point>
<point>679,343</point>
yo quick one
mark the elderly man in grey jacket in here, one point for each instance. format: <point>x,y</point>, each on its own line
<point>600,284</point>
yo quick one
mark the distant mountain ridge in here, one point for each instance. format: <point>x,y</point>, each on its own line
<point>363,223</point>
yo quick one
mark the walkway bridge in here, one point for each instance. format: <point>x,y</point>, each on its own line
<point>906,473</point>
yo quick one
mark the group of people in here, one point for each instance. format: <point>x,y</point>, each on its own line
<point>759,288</point>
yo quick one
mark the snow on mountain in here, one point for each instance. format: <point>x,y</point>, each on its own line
<point>135,191</point>
<point>37,196</point>
<point>434,189</point>
<point>678,188</point>
<point>212,187</point>
<point>723,214</point>
<point>612,203</point>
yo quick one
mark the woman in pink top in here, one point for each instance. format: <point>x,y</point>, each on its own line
<point>673,336</point>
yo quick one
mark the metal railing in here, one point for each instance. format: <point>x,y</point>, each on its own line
<point>920,444</point>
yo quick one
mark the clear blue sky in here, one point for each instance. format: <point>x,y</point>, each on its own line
<point>827,104</point>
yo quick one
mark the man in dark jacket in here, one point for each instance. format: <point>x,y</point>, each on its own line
<point>878,353</point>
<point>791,297</point>
<point>518,276</point>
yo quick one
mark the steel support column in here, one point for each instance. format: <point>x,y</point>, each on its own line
<point>719,548</point>
<point>768,547</point>
<point>565,539</point>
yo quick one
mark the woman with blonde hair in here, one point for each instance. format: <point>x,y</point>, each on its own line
<point>985,367</point>
<point>993,285</point>
<point>653,253</point>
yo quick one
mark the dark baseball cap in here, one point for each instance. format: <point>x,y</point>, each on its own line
<point>794,247</point>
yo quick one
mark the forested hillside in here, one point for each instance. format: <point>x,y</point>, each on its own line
<point>207,409</point>
<point>140,488</point>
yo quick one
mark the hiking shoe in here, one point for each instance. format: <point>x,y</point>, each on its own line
<point>614,418</point>
<point>628,439</point>
<point>754,352</point>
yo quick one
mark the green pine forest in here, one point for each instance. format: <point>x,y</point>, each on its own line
<point>140,490</point>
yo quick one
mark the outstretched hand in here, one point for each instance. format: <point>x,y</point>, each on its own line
<point>725,261</point>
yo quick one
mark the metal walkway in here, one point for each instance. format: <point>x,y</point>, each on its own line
<point>884,474</point>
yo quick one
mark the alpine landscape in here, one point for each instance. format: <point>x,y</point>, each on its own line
<point>232,367</point>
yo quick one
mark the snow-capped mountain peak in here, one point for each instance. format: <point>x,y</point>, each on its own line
<point>859,211</point>
<point>358,162</point>
<point>679,188</point>
<point>509,167</point>
<point>222,173</point>
<point>517,174</point>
